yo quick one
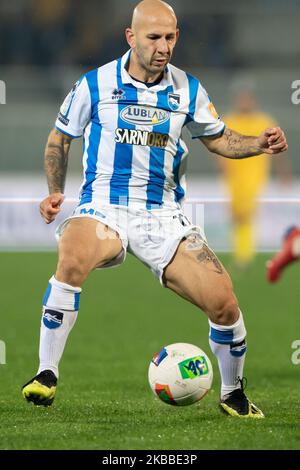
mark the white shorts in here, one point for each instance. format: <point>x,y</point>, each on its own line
<point>152,236</point>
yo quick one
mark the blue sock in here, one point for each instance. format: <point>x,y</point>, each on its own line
<point>228,343</point>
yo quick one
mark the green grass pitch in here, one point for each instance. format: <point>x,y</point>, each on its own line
<point>104,400</point>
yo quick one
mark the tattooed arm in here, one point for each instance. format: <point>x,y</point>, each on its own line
<point>231,144</point>
<point>56,163</point>
<point>56,160</point>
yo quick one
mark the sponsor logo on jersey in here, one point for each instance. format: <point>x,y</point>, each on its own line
<point>174,101</point>
<point>52,319</point>
<point>144,115</point>
<point>118,94</point>
<point>138,137</point>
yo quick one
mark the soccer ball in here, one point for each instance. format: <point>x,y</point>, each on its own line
<point>180,374</point>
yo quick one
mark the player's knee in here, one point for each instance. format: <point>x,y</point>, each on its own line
<point>72,269</point>
<point>225,310</point>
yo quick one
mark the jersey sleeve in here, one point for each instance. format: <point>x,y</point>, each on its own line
<point>202,120</point>
<point>75,112</point>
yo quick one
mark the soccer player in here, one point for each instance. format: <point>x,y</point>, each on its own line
<point>289,253</point>
<point>245,179</point>
<point>131,112</point>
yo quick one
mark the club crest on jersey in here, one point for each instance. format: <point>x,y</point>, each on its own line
<point>118,94</point>
<point>144,115</point>
<point>174,101</point>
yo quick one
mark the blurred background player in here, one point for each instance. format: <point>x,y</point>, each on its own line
<point>289,253</point>
<point>245,179</point>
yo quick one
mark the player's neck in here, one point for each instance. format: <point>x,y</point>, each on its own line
<point>140,74</point>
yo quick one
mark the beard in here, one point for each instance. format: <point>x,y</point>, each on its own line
<point>148,63</point>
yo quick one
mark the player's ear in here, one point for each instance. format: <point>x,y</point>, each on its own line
<point>177,34</point>
<point>130,37</point>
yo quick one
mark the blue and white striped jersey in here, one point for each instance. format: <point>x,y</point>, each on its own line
<point>133,151</point>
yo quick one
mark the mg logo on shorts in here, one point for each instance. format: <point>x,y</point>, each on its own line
<point>92,212</point>
<point>144,115</point>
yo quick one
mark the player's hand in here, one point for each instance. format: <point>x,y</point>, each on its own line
<point>272,141</point>
<point>50,206</point>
